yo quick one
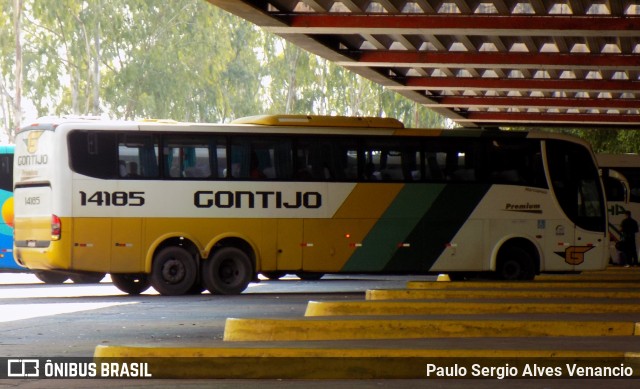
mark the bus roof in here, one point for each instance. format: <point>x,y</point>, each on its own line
<point>618,160</point>
<point>321,121</point>
<point>292,124</point>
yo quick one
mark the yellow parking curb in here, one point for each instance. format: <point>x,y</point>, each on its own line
<point>395,307</point>
<point>342,329</point>
<point>329,363</point>
<point>426,294</point>
<point>615,276</point>
<point>521,285</point>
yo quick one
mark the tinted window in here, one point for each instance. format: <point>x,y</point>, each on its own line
<point>452,159</point>
<point>261,158</point>
<point>138,156</point>
<point>194,156</point>
<point>6,172</point>
<point>516,162</point>
<point>94,153</point>
<point>633,177</point>
<point>615,190</point>
<point>576,183</point>
<point>391,160</point>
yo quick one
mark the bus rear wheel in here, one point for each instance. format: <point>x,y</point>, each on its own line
<point>87,278</point>
<point>131,283</point>
<point>515,264</point>
<point>51,277</point>
<point>174,271</point>
<point>228,271</point>
<point>274,275</point>
<point>304,276</point>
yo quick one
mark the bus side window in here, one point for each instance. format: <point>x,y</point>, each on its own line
<point>94,153</point>
<point>268,158</point>
<point>6,173</point>
<point>614,189</point>
<point>191,156</point>
<point>515,162</point>
<point>390,160</point>
<point>313,160</point>
<point>140,152</point>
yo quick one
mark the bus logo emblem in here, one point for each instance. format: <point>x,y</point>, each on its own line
<point>32,141</point>
<point>574,255</point>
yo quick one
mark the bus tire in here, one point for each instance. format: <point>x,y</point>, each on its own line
<point>309,276</point>
<point>515,263</point>
<point>131,283</point>
<point>228,271</point>
<point>174,271</point>
<point>274,275</point>
<point>51,277</point>
<point>86,278</point>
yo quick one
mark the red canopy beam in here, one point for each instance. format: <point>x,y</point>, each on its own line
<point>557,118</point>
<point>535,102</point>
<point>524,84</point>
<point>504,25</point>
<point>494,60</point>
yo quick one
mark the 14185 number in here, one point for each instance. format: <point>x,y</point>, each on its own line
<point>116,199</point>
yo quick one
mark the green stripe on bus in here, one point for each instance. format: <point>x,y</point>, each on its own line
<point>397,222</point>
<point>438,226</point>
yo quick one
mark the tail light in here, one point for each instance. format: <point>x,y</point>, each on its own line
<point>56,227</point>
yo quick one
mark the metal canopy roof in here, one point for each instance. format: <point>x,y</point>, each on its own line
<point>478,62</point>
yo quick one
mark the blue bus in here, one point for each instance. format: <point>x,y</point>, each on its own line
<point>6,202</point>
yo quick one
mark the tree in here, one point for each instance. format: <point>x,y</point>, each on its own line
<point>186,60</point>
<point>17,27</point>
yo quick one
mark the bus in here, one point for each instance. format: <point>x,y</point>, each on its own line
<point>188,207</point>
<point>7,264</point>
<point>621,178</point>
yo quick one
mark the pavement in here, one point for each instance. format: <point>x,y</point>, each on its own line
<point>557,327</point>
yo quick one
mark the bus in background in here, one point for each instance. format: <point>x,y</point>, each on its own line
<point>7,264</point>
<point>621,178</point>
<point>185,207</point>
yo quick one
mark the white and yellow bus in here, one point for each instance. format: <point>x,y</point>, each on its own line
<point>184,207</point>
<point>621,178</point>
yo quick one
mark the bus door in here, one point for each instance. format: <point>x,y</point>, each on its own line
<point>289,248</point>
<point>91,244</point>
<point>126,235</point>
<point>582,241</point>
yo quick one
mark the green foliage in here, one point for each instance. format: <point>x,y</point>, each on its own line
<point>606,140</point>
<point>185,60</point>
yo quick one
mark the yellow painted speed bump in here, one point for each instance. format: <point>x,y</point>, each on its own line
<point>590,277</point>
<point>616,269</point>
<point>329,363</point>
<point>396,307</point>
<point>443,277</point>
<point>406,328</point>
<point>521,285</point>
<point>427,294</point>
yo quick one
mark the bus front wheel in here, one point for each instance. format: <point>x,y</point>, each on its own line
<point>514,264</point>
<point>131,283</point>
<point>174,271</point>
<point>228,271</point>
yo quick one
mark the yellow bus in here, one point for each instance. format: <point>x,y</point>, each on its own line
<point>185,207</point>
